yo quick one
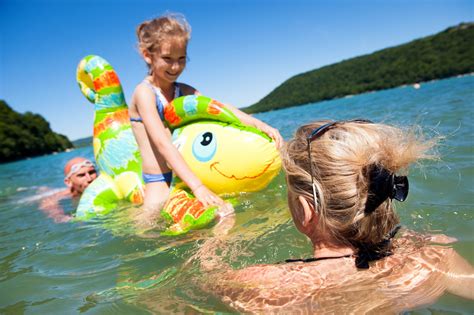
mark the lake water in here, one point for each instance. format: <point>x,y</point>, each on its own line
<point>104,267</point>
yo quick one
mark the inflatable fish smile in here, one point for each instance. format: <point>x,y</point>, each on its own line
<point>214,166</point>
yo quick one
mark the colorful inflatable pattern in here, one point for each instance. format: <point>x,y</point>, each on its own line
<point>115,149</point>
<point>226,155</point>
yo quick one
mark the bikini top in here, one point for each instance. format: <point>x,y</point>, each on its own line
<point>161,101</point>
<point>307,260</point>
<point>365,253</point>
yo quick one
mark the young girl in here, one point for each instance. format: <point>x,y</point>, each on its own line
<point>342,180</point>
<point>162,44</point>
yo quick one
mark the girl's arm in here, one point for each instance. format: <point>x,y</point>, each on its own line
<point>245,118</point>
<point>156,131</point>
<point>252,121</point>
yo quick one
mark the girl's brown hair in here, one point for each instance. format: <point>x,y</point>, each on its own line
<point>342,158</point>
<point>152,33</point>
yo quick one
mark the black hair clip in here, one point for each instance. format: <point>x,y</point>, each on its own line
<point>383,185</point>
<point>377,251</point>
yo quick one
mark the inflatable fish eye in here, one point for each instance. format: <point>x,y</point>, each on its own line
<point>205,146</point>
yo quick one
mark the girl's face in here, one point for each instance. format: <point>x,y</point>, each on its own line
<point>169,61</point>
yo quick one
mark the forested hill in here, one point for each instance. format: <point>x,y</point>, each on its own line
<point>27,135</point>
<point>443,55</point>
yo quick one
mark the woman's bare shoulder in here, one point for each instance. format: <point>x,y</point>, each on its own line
<point>276,287</point>
<point>274,275</point>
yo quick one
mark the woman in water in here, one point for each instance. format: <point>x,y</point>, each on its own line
<point>342,180</point>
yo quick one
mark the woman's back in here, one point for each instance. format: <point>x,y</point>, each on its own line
<point>411,277</point>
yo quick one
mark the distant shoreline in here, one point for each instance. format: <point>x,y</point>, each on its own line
<point>375,91</point>
<point>440,56</point>
<point>409,85</point>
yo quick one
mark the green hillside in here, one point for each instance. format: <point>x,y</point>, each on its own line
<point>443,55</point>
<point>83,142</point>
<point>27,135</point>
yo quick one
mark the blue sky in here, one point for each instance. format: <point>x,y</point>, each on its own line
<point>239,52</point>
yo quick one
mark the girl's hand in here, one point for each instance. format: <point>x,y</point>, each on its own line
<point>252,121</point>
<point>207,197</point>
<point>271,132</point>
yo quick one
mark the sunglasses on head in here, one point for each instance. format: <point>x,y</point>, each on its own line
<point>390,186</point>
<point>77,167</point>
<point>318,132</point>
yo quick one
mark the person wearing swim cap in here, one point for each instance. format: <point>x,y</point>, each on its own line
<point>79,172</point>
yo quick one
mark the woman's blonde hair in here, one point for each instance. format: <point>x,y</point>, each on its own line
<point>152,33</point>
<point>342,158</point>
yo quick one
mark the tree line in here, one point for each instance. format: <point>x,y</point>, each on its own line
<point>27,135</point>
<point>446,54</point>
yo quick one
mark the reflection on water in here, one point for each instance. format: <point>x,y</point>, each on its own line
<point>105,266</point>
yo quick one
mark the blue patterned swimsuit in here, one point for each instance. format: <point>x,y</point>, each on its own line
<point>160,101</point>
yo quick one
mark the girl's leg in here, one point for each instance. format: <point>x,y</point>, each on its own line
<point>156,195</point>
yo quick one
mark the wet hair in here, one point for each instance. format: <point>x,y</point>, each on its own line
<point>343,158</point>
<point>153,32</point>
